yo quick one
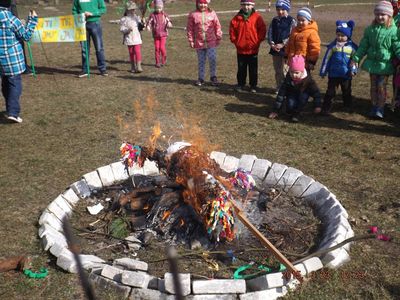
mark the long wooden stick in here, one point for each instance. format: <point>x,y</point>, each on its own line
<point>267,243</point>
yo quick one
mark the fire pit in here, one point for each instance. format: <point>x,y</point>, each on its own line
<point>129,275</point>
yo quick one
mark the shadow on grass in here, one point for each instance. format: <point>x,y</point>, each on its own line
<point>72,70</point>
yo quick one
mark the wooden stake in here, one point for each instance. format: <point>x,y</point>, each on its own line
<point>268,244</point>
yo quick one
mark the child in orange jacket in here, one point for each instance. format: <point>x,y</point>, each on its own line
<point>247,30</point>
<point>304,39</point>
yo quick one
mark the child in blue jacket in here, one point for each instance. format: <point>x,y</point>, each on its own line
<point>336,64</point>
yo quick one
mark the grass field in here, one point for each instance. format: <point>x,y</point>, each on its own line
<point>71,127</point>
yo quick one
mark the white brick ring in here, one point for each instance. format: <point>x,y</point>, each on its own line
<point>129,277</point>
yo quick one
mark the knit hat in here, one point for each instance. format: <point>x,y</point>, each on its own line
<point>247,2</point>
<point>345,27</point>
<point>297,63</point>
<point>130,5</point>
<point>283,4</point>
<point>5,3</point>
<point>305,12</point>
<point>158,3</point>
<point>384,7</point>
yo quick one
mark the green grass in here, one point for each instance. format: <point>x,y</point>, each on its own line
<point>70,128</point>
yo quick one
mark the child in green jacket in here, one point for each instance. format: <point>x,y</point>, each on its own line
<point>380,44</point>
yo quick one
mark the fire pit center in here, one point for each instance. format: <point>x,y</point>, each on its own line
<point>130,277</point>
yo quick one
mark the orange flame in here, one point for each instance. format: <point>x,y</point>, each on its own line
<point>166,214</point>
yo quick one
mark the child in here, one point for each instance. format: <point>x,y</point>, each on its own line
<point>247,30</point>
<point>204,34</point>
<point>336,64</point>
<point>159,23</point>
<point>12,63</point>
<point>380,44</point>
<point>130,25</point>
<point>304,39</point>
<point>297,88</point>
<point>278,36</point>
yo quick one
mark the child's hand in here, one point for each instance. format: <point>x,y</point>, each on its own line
<point>191,45</point>
<point>273,115</point>
<point>317,110</point>
<point>32,13</point>
<point>88,14</point>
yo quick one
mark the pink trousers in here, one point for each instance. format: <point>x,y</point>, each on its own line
<point>135,53</point>
<point>160,50</point>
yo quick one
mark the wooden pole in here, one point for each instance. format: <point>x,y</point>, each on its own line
<point>268,244</point>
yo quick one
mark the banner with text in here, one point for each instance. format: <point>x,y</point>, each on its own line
<point>60,29</point>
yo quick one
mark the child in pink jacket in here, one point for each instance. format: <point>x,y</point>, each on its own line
<point>159,23</point>
<point>204,34</point>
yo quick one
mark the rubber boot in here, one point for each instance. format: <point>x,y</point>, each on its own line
<point>139,67</point>
<point>133,67</point>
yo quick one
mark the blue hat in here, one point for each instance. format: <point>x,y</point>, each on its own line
<point>305,12</point>
<point>345,27</point>
<point>283,4</point>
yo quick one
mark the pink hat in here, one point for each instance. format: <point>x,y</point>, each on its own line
<point>248,2</point>
<point>297,63</point>
<point>159,3</point>
<point>202,2</point>
<point>384,7</point>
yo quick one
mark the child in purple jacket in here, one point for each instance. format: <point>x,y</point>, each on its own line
<point>159,23</point>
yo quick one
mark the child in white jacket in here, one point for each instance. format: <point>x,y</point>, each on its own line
<point>130,27</point>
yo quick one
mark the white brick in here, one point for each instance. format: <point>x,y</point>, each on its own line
<point>274,174</point>
<point>93,180</point>
<point>65,206</point>
<point>81,188</point>
<point>66,261</point>
<point>135,279</point>
<point>289,178</point>
<point>260,169</point>
<point>135,170</point>
<point>301,268</point>
<point>57,211</point>
<point>212,297</point>
<point>219,157</point>
<point>316,192</point>
<point>219,286</point>
<point>146,294</point>
<point>112,273</point>
<point>312,264</point>
<point>88,261</point>
<point>269,281</point>
<point>106,175</point>
<point>131,264</point>
<point>56,249</point>
<point>230,164</point>
<point>184,280</point>
<point>71,197</point>
<point>150,168</point>
<point>110,286</point>
<point>246,162</point>
<point>301,184</point>
<point>119,171</point>
<point>336,258</point>
<point>50,219</point>
<point>269,294</point>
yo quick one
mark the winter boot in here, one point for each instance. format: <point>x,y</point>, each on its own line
<point>139,67</point>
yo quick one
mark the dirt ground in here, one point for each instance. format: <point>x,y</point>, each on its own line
<point>71,127</point>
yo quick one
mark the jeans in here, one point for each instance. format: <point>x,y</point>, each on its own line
<point>250,61</point>
<point>202,55</point>
<point>94,30</point>
<point>11,87</point>
<point>296,103</point>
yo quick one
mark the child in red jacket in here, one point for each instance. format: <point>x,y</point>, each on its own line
<point>247,30</point>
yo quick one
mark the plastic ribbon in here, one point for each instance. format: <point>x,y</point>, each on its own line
<point>43,272</point>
